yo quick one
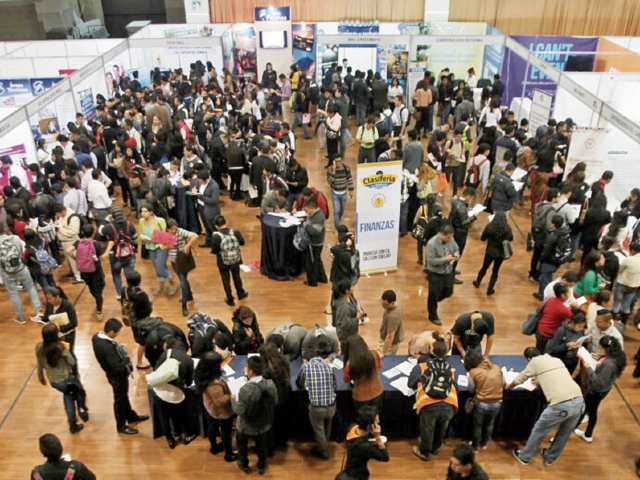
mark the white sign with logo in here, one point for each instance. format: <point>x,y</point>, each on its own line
<point>378,215</point>
<point>540,110</point>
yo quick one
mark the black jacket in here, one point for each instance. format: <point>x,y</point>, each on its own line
<point>549,251</point>
<point>459,216</point>
<point>64,307</point>
<point>111,360</point>
<point>494,241</point>
<point>359,451</point>
<point>216,242</point>
<point>243,344</point>
<point>58,471</point>
<point>155,340</point>
<point>341,267</point>
<point>300,176</point>
<point>503,193</point>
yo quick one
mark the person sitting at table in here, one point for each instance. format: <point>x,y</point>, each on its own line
<point>364,442</point>
<point>563,344</point>
<point>565,405</point>
<point>172,407</point>
<point>422,343</point>
<point>486,384</point>
<point>363,369</point>
<point>315,227</point>
<point>216,398</point>
<point>246,331</point>
<point>274,202</point>
<point>314,337</point>
<point>463,466</point>
<point>308,193</point>
<point>288,338</point>
<point>470,329</point>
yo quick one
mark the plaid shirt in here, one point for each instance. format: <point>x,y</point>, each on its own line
<point>320,382</point>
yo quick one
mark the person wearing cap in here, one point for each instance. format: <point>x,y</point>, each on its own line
<point>391,328</point>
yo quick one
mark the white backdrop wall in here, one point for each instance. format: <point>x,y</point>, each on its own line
<point>20,135</point>
<point>40,67</point>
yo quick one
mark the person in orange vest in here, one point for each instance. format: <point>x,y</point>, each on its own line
<point>434,381</point>
<point>364,442</point>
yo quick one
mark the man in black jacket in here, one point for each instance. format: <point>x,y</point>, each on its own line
<point>58,466</point>
<point>461,221</point>
<point>549,261</point>
<point>113,359</point>
<point>315,228</point>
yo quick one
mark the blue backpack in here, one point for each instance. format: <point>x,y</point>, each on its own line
<point>47,263</point>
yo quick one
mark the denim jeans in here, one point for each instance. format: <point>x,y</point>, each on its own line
<point>297,121</point>
<point>484,416</point>
<point>72,392</point>
<point>11,282</point>
<point>564,416</point>
<point>159,260</point>
<point>339,201</point>
<point>128,265</point>
<point>623,296</point>
<point>434,421</point>
<point>546,271</point>
<point>185,287</point>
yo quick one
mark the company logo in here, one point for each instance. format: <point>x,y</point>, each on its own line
<point>378,200</point>
<point>379,180</point>
<point>38,87</point>
<point>272,14</point>
<point>262,14</point>
<point>589,144</point>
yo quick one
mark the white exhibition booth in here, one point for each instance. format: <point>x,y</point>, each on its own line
<point>604,100</point>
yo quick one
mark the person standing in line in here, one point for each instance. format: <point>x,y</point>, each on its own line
<point>58,466</point>
<point>58,304</point>
<point>68,231</point>
<point>341,183</point>
<point>400,119</point>
<point>461,222</point>
<point>341,104</point>
<point>98,196</point>
<point>495,234</point>
<point>391,328</point>
<point>14,272</point>
<point>553,313</point>
<point>113,359</point>
<point>442,253</point>
<point>565,407</point>
<point>549,261</point>
<point>469,329</point>
<point>317,377</point>
<point>226,245</point>
<point>255,407</point>
<point>315,227</point>
<point>346,315</point>
<point>185,241</point>
<point>136,306</point>
<point>58,362</point>
<point>627,283</point>
<point>462,465</point>
<point>363,370</point>
<point>503,192</point>
<point>86,253</point>
<point>122,238</point>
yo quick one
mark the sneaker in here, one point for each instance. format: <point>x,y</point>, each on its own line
<point>77,281</point>
<point>544,458</point>
<point>364,320</point>
<point>516,454</point>
<point>437,450</point>
<point>436,321</point>
<point>83,413</point>
<point>75,428</point>
<point>20,320</point>
<point>172,290</point>
<point>585,419</point>
<point>243,295</point>
<point>118,297</point>
<point>533,280</point>
<point>485,446</point>
<point>581,434</point>
<point>419,454</point>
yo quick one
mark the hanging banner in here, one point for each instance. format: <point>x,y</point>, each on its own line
<point>87,104</point>
<point>304,48</point>
<point>242,55</point>
<point>378,215</point>
<point>540,109</point>
<point>15,91</point>
<point>416,74</point>
<point>41,85</point>
<point>554,50</point>
<point>397,64</point>
<point>493,56</point>
<point>272,14</point>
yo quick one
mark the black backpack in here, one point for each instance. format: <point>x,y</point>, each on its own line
<point>260,412</point>
<point>437,380</point>
<point>539,225</point>
<point>563,247</point>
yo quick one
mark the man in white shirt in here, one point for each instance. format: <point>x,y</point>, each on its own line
<point>87,177</point>
<point>74,199</point>
<point>400,120</point>
<point>8,168</point>
<point>604,326</point>
<point>133,133</point>
<point>570,278</point>
<point>67,147</point>
<point>98,195</point>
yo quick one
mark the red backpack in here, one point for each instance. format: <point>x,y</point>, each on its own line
<point>86,256</point>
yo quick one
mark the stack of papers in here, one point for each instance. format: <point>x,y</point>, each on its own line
<point>518,185</point>
<point>401,384</point>
<point>509,376</point>
<point>235,384</point>
<point>528,385</point>
<point>586,357</point>
<point>392,372</point>
<point>228,371</point>
<point>518,174</point>
<point>337,364</point>
<point>463,381</point>
<point>476,210</point>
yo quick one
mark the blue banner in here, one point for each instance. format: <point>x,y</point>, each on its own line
<point>13,87</point>
<point>41,85</point>
<point>87,104</point>
<point>358,29</point>
<point>272,14</point>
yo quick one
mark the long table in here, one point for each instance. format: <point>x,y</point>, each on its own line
<point>520,408</point>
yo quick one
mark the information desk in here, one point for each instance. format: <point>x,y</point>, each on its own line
<point>279,260</point>
<point>520,408</point>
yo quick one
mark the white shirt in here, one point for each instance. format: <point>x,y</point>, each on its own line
<point>472,81</point>
<point>68,153</point>
<point>18,171</point>
<point>492,118</point>
<point>255,110</point>
<point>484,170</point>
<point>76,200</point>
<point>400,115</point>
<point>87,178</point>
<point>393,92</point>
<point>548,291</point>
<point>597,334</point>
<point>98,195</point>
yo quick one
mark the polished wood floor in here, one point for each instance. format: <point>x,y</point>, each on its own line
<point>27,409</point>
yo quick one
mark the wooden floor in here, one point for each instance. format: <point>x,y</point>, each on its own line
<point>27,409</point>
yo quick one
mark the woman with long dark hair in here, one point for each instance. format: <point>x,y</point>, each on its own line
<point>56,360</point>
<point>362,369</point>
<point>619,231</point>
<point>246,331</point>
<point>597,217</point>
<point>601,380</point>
<point>590,278</point>
<point>539,190</point>
<point>495,234</point>
<point>278,370</point>
<point>216,397</point>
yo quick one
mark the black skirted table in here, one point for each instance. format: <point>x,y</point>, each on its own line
<point>520,408</point>
<point>279,260</point>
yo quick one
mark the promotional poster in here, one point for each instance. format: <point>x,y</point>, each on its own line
<point>304,48</point>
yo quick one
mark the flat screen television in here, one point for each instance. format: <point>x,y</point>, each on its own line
<point>273,39</point>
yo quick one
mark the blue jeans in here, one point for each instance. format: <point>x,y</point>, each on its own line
<point>128,265</point>
<point>72,392</point>
<point>546,271</point>
<point>159,260</point>
<point>564,416</point>
<point>297,121</point>
<point>185,287</point>
<point>339,201</point>
<point>623,296</point>
<point>344,132</point>
<point>484,416</point>
<point>11,282</point>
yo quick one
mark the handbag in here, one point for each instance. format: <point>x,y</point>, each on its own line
<point>506,249</point>
<point>441,182</point>
<point>184,262</point>
<point>167,372</point>
<point>530,324</point>
<point>171,202</point>
<point>306,118</point>
<point>332,134</point>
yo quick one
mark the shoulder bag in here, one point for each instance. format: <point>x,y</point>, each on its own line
<point>530,324</point>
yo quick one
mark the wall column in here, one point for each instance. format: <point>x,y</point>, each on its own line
<point>436,10</point>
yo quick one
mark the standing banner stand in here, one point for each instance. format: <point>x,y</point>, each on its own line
<point>378,215</point>
<point>540,109</point>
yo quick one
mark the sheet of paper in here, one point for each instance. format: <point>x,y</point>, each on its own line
<point>228,371</point>
<point>581,300</point>
<point>392,372</point>
<point>477,209</point>
<point>509,376</point>
<point>401,384</point>
<point>584,355</point>
<point>413,361</point>
<point>405,368</point>
<point>244,268</point>
<point>59,319</point>
<point>518,185</point>
<point>337,364</point>
<point>463,381</point>
<point>491,217</point>
<point>235,384</point>
<point>249,355</point>
<point>581,340</point>
<point>528,385</point>
<point>518,174</point>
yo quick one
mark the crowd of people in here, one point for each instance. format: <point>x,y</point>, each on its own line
<point>171,150</point>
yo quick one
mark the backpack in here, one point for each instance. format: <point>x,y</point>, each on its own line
<point>320,194</point>
<point>86,256</point>
<point>10,256</point>
<point>437,379</point>
<point>473,173</point>
<point>563,248</point>
<point>229,248</point>
<point>47,263</point>
<point>83,220</point>
<point>123,247</point>
<point>202,329</point>
<point>259,413</point>
<point>389,124</point>
<point>301,240</point>
<point>539,225</point>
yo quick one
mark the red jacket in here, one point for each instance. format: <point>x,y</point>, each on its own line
<point>553,314</point>
<point>319,197</point>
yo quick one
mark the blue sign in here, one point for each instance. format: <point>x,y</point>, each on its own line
<point>16,86</point>
<point>272,14</point>
<point>87,105</point>
<point>41,85</point>
<point>358,29</point>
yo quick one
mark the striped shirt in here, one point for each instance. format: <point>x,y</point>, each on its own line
<point>340,179</point>
<point>319,381</point>
<point>182,237</point>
